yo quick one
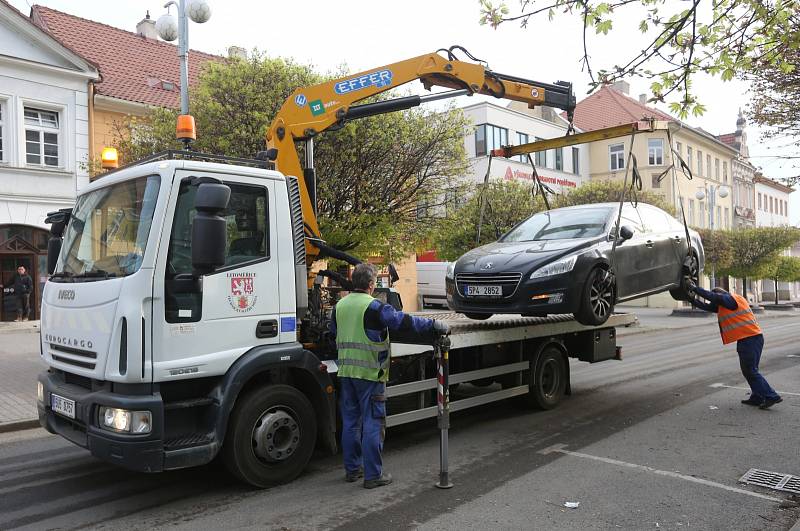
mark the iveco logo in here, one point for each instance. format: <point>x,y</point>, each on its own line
<point>66,295</point>
<point>487,265</point>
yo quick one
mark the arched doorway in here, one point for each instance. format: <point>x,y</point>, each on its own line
<point>26,246</point>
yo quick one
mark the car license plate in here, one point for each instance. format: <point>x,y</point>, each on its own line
<point>63,406</point>
<point>483,291</point>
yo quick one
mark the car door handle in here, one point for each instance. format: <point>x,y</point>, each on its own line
<point>266,329</point>
<point>649,244</point>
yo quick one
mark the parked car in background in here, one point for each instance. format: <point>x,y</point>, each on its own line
<point>558,262</point>
<point>430,284</point>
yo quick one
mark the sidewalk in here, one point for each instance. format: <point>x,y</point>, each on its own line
<point>652,319</point>
<point>20,362</point>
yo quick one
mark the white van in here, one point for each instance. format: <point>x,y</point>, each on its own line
<point>430,284</point>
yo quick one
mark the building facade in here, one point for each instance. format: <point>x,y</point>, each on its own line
<point>495,126</point>
<point>772,210</point>
<point>744,214</point>
<point>44,145</point>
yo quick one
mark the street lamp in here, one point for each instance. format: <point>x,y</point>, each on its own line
<point>199,11</point>
<point>711,191</point>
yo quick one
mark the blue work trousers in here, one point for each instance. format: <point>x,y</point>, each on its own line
<point>363,407</point>
<point>749,350</point>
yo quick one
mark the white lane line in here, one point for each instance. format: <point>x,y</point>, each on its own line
<point>560,448</point>
<point>719,385</point>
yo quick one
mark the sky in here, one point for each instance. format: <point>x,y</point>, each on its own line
<point>364,34</point>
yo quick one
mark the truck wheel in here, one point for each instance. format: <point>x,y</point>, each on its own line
<point>271,436</point>
<point>597,298</point>
<point>477,316</point>
<point>548,379</point>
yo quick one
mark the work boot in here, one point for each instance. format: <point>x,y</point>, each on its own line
<point>769,402</point>
<point>24,319</point>
<point>18,319</point>
<point>352,477</point>
<point>752,402</point>
<point>382,481</point>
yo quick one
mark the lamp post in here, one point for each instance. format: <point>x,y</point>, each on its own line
<point>711,191</point>
<point>169,30</point>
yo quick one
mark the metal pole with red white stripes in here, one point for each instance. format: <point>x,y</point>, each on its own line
<point>441,351</point>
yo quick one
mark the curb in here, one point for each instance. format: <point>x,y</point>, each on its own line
<point>19,425</point>
<point>796,526</point>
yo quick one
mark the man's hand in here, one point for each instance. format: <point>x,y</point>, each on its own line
<point>441,328</point>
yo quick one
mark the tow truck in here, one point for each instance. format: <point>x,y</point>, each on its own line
<point>183,319</point>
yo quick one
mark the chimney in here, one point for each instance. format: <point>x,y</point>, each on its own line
<point>147,27</point>
<point>643,99</point>
<point>237,52</point>
<point>621,86</point>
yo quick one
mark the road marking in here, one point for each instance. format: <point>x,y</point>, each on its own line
<point>792,356</point>
<point>719,385</point>
<point>560,448</point>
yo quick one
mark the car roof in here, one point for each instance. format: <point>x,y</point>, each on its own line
<point>600,205</point>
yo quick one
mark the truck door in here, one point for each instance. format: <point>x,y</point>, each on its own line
<point>206,326</point>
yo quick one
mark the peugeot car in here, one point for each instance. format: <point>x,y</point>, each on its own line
<point>565,261</point>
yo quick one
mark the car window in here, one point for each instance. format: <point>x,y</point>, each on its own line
<point>561,224</point>
<point>630,217</point>
<point>654,219</point>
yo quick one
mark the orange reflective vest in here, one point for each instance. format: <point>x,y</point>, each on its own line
<point>739,323</point>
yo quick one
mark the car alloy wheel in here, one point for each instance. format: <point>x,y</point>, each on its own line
<point>601,294</point>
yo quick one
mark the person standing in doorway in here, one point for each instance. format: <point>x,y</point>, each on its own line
<point>23,286</point>
<point>738,323</point>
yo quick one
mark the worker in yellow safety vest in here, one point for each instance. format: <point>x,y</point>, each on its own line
<point>361,324</point>
<point>738,323</point>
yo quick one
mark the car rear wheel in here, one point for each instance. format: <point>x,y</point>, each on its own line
<point>597,298</point>
<point>692,270</point>
<point>477,316</point>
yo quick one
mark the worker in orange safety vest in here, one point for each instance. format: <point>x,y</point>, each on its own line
<point>738,323</point>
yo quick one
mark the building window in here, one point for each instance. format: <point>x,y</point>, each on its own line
<point>699,162</point>
<point>522,138</point>
<point>689,157</point>
<point>727,217</point>
<point>576,153</point>
<point>719,218</point>
<point>489,137</point>
<point>724,172</point>
<point>559,158</point>
<point>655,181</point>
<point>617,157</point>
<point>2,123</point>
<point>655,151</point>
<point>716,169</point>
<point>708,166</point>
<point>540,157</point>
<point>771,206</point>
<point>41,137</point>
<point>679,148</point>
<point>691,212</point>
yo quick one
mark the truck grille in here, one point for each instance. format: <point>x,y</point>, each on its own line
<point>508,281</point>
<point>84,359</point>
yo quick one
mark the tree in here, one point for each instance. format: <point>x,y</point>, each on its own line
<point>784,269</point>
<point>776,91</point>
<point>723,38</point>
<point>371,173</point>
<point>754,249</point>
<point>717,248</point>
<point>606,191</point>
<point>507,203</point>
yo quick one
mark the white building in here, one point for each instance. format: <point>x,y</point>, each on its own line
<point>772,210</point>
<point>561,169</point>
<point>44,142</point>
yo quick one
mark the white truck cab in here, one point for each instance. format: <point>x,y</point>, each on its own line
<point>148,348</point>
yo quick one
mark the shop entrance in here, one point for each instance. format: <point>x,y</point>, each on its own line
<point>21,246</point>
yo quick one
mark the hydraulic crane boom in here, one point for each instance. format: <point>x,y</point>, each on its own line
<point>312,110</point>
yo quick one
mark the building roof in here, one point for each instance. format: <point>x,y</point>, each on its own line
<point>608,107</point>
<point>728,138</point>
<point>772,183</point>
<point>132,66</point>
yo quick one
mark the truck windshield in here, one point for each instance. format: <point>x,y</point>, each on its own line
<point>108,231</point>
<point>560,224</point>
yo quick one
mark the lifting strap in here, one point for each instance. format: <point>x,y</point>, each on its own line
<point>483,199</point>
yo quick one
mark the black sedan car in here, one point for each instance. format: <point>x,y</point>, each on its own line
<point>559,261</point>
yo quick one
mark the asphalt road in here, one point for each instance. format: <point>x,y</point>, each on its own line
<point>650,442</point>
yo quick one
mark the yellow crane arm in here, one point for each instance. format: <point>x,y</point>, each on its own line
<point>311,110</point>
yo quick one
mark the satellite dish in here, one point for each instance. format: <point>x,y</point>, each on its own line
<point>198,10</point>
<point>167,27</point>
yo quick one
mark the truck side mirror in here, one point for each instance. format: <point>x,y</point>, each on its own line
<point>625,232</point>
<point>53,250</point>
<point>58,222</point>
<point>209,231</point>
<point>394,276</point>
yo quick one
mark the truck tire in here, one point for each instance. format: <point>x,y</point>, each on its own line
<point>477,316</point>
<point>548,379</point>
<point>271,436</point>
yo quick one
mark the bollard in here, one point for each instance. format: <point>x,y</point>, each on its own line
<point>441,352</point>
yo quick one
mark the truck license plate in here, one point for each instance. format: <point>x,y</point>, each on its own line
<point>484,291</point>
<point>63,406</point>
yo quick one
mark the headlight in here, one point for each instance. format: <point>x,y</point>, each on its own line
<point>564,265</point>
<point>124,421</point>
<point>451,270</point>
<point>40,392</point>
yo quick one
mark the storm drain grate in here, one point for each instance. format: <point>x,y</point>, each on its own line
<point>772,480</point>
